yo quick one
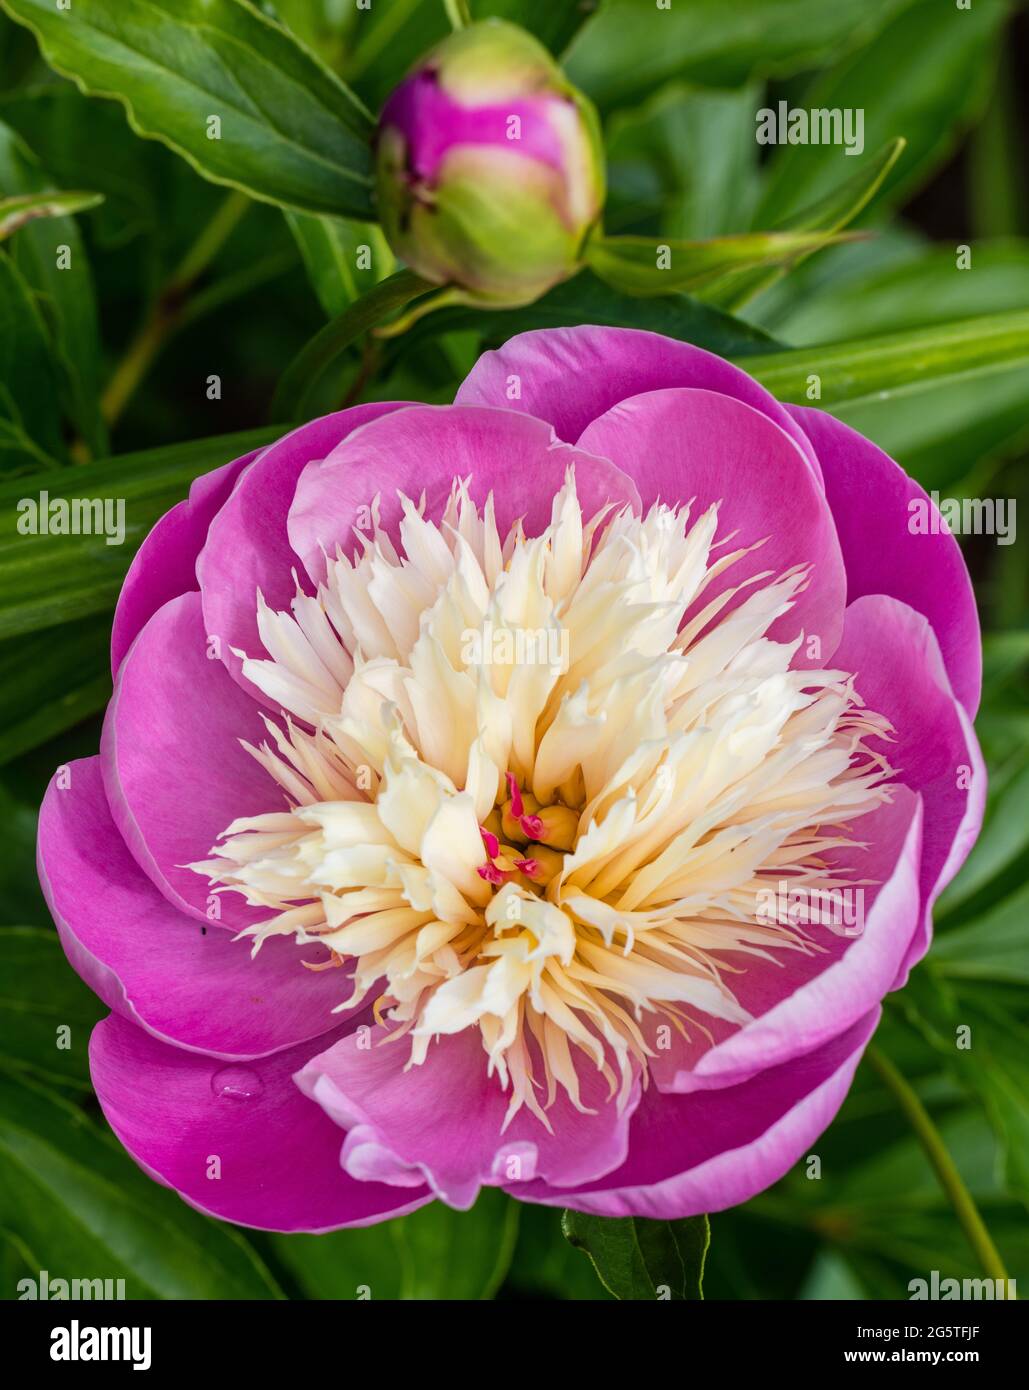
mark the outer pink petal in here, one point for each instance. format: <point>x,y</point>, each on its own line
<point>423,449</point>
<point>247,547</point>
<point>714,1149</point>
<point>803,1001</point>
<point>164,566</point>
<point>184,983</point>
<point>870,497</point>
<point>277,1154</point>
<point>174,771</point>
<point>569,376</point>
<point>681,444</point>
<point>894,652</point>
<point>848,981</point>
<point>442,1122</point>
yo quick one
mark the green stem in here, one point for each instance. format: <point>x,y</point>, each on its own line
<point>299,380</point>
<point>166,314</point>
<point>943,1165</point>
<point>458,13</point>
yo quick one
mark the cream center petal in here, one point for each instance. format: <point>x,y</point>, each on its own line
<point>524,796</point>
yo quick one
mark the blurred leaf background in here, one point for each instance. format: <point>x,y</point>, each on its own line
<point>173,279</point>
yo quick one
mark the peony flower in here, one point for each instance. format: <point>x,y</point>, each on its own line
<point>489,166</point>
<point>478,781</point>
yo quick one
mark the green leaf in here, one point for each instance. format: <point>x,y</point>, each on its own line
<point>988,1051</point>
<point>1005,657</point>
<point>46,580</point>
<point>20,897</point>
<point>50,681</point>
<point>641,1259</point>
<point>828,215</point>
<point>842,202</point>
<point>51,256</point>
<point>331,248</point>
<point>1003,840</point>
<point>659,166</point>
<point>554,22</point>
<point>545,1264</point>
<point>16,211</point>
<point>300,379</point>
<point>887,1215</point>
<point>290,132</point>
<point>434,1254</point>
<point>325,26</point>
<point>30,413</point>
<point>937,431</point>
<point>920,285</point>
<point>585,299</point>
<point>647,266</point>
<point>921,77</point>
<point>998,200</point>
<point>887,364</point>
<point>79,141</point>
<point>831,1279</point>
<point>46,1012</point>
<point>996,947</point>
<point>997,1067</point>
<point>73,1196</point>
<point>630,49</point>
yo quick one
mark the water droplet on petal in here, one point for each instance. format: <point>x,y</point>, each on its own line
<point>237,1083</point>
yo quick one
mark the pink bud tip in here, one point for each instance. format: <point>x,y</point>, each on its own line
<point>490,841</point>
<point>491,873</point>
<point>528,866</point>
<point>532,825</point>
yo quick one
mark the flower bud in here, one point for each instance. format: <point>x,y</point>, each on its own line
<point>489,166</point>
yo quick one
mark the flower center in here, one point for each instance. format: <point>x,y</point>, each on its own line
<point>546,787</point>
<point>526,842</point>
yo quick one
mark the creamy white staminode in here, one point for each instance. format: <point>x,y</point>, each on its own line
<point>550,853</point>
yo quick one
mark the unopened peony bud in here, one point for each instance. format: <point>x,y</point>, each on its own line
<point>489,166</point>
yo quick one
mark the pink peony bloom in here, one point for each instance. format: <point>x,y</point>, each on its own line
<point>477,783</point>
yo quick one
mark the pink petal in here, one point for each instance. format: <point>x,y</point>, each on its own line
<point>711,1150</point>
<point>681,444</point>
<point>442,1122</point>
<point>834,990</point>
<point>185,1118</point>
<point>174,771</point>
<point>870,496</point>
<point>164,566</point>
<point>423,449</point>
<point>247,547</point>
<point>570,376</point>
<point>900,673</point>
<point>187,984</point>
